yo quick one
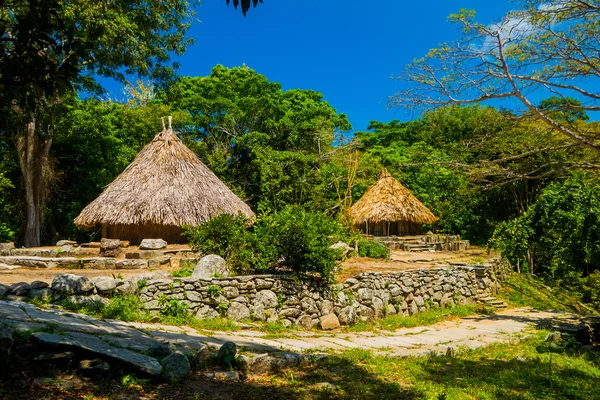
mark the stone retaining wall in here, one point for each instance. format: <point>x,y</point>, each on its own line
<point>369,295</point>
<point>305,303</point>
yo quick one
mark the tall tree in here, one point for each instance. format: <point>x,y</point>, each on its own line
<point>255,135</point>
<point>547,47</point>
<point>49,48</point>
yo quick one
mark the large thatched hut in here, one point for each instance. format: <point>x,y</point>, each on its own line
<point>388,208</point>
<point>165,187</point>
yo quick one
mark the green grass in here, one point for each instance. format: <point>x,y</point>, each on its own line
<point>500,371</point>
<point>429,317</point>
<point>523,290</point>
<point>214,324</point>
<point>127,308</point>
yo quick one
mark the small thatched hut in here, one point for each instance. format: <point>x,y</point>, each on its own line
<point>166,186</point>
<point>388,208</point>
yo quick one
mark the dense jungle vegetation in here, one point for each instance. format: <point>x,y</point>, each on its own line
<point>520,180</point>
<point>279,148</point>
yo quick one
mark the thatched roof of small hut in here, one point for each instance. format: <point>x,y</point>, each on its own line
<point>388,200</point>
<point>166,184</point>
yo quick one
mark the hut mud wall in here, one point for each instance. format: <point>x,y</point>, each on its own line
<point>136,233</point>
<point>394,228</point>
<point>366,296</point>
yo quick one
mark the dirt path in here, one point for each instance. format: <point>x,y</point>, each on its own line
<point>403,260</point>
<point>8,277</point>
<point>399,261</point>
<point>471,332</point>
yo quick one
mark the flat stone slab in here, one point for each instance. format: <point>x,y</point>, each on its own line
<point>95,345</point>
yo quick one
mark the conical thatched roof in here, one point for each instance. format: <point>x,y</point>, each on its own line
<point>166,184</point>
<point>388,200</point>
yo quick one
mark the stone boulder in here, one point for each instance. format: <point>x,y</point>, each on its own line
<point>329,322</point>
<point>94,367</point>
<point>39,285</point>
<point>153,244</point>
<point>267,298</point>
<point>7,246</point>
<point>131,264</point>
<point>175,366</point>
<point>93,301</point>
<point>226,354</point>
<point>20,289</point>
<point>207,312</point>
<point>40,294</point>
<point>61,243</point>
<point>304,322</point>
<point>211,266</point>
<point>238,311</point>
<point>162,349</point>
<point>4,289</point>
<point>342,247</point>
<point>71,284</point>
<point>105,284</point>
<point>6,343</point>
<point>347,315</point>
<point>110,247</point>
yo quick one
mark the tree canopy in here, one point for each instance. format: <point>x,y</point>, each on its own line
<point>544,47</point>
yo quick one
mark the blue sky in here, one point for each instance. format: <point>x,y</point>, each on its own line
<point>346,49</point>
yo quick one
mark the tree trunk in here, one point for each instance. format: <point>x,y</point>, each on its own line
<point>33,159</point>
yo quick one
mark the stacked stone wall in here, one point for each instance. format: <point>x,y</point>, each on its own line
<point>369,295</point>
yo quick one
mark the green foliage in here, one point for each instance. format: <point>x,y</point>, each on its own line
<point>559,234</point>
<point>214,290</point>
<point>185,271</point>
<point>174,309</point>
<point>290,240</point>
<point>372,249</point>
<point>301,240</point>
<point>251,132</point>
<point>7,207</point>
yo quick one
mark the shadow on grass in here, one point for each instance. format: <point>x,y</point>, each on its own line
<point>511,379</point>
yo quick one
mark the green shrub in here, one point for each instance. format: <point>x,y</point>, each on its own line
<point>214,290</point>
<point>290,240</point>
<point>174,308</point>
<point>372,249</point>
<point>302,240</point>
<point>222,235</point>
<point>7,234</point>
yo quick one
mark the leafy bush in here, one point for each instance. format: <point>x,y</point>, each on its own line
<point>372,249</point>
<point>7,234</point>
<point>302,240</point>
<point>559,234</point>
<point>290,240</point>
